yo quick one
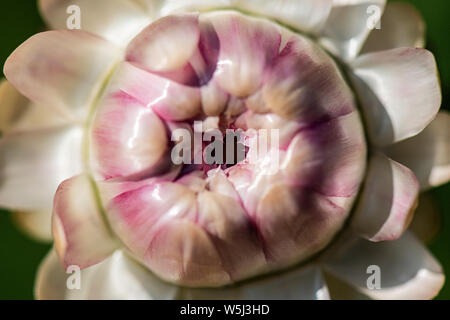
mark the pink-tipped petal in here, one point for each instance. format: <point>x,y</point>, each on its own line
<point>406,269</point>
<point>298,74</point>
<point>401,26</point>
<point>428,153</point>
<point>128,140</point>
<point>81,236</point>
<point>29,158</point>
<point>47,70</point>
<point>247,48</point>
<point>116,20</point>
<point>158,47</point>
<point>389,197</point>
<point>169,99</point>
<point>307,16</point>
<point>348,26</point>
<point>399,91</point>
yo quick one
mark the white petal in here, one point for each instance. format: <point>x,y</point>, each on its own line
<point>81,236</point>
<point>401,26</point>
<point>399,91</point>
<point>304,15</point>
<point>35,224</point>
<point>347,28</point>
<point>428,153</point>
<point>17,113</point>
<point>33,164</point>
<point>48,71</point>
<point>407,269</point>
<point>119,277</point>
<point>387,202</point>
<point>116,20</point>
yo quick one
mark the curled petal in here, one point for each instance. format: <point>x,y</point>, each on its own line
<point>128,140</point>
<point>401,26</point>
<point>428,153</point>
<point>399,90</point>
<point>347,26</point>
<point>157,47</point>
<point>116,20</point>
<point>387,202</point>
<point>81,235</point>
<point>298,74</point>
<point>27,159</point>
<point>47,70</point>
<point>304,15</point>
<point>408,270</point>
<point>247,47</point>
<point>169,99</point>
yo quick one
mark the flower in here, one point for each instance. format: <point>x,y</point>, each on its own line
<point>93,145</point>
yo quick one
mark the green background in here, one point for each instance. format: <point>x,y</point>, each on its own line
<point>20,256</point>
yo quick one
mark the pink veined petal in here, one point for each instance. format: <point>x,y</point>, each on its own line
<point>47,70</point>
<point>81,236</point>
<point>157,223</point>
<point>247,48</point>
<point>428,153</point>
<point>158,47</point>
<point>29,158</point>
<point>116,20</point>
<point>297,75</point>
<point>386,205</point>
<point>408,270</point>
<point>347,27</point>
<point>169,99</point>
<point>304,15</point>
<point>128,140</point>
<point>18,114</point>
<point>401,26</point>
<point>399,92</point>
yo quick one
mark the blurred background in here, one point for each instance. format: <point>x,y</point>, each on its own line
<point>20,256</point>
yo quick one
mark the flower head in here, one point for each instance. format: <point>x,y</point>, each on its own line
<point>102,129</point>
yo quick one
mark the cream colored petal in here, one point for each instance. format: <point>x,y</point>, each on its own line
<point>33,164</point>
<point>116,20</point>
<point>17,113</point>
<point>387,202</point>
<point>348,24</point>
<point>427,218</point>
<point>81,236</point>
<point>428,153</point>
<point>399,92</point>
<point>407,269</point>
<point>48,71</point>
<point>401,26</point>
<point>305,15</point>
<point>35,224</point>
